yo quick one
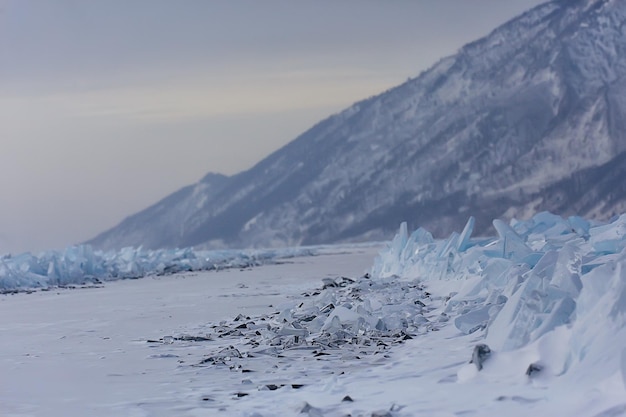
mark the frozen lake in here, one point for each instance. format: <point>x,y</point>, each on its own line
<point>83,352</point>
<point>271,341</point>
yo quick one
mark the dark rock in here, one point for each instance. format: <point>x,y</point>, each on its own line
<point>533,369</point>
<point>329,283</point>
<point>346,281</point>
<point>327,309</point>
<point>480,355</point>
<point>188,338</point>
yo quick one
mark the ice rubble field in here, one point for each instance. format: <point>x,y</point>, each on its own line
<point>528,322</point>
<point>546,299</point>
<point>531,320</point>
<point>79,265</point>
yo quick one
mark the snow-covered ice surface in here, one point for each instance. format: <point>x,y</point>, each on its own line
<point>528,322</point>
<point>85,352</point>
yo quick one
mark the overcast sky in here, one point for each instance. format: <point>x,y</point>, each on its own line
<point>106,106</point>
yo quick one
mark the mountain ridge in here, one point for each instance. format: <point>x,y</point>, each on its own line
<point>487,132</point>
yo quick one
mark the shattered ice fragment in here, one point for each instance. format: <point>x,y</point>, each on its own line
<point>464,238</point>
<point>332,324</point>
<point>511,244</point>
<point>568,269</point>
<point>292,331</point>
<point>474,320</point>
<point>310,410</point>
<point>343,315</point>
<point>579,225</point>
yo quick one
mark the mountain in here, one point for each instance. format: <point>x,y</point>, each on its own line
<point>532,117</point>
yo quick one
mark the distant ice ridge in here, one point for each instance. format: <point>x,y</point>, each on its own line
<point>79,265</point>
<point>551,289</point>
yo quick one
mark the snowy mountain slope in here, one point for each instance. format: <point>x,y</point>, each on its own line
<point>166,219</point>
<point>534,108</point>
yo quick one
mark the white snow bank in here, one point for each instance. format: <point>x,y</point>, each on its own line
<point>536,279</point>
<point>78,265</point>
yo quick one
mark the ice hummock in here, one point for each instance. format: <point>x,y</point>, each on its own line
<point>533,278</point>
<point>78,265</point>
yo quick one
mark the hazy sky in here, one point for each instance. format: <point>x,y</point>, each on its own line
<point>106,106</point>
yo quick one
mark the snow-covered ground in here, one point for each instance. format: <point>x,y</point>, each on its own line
<point>531,321</point>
